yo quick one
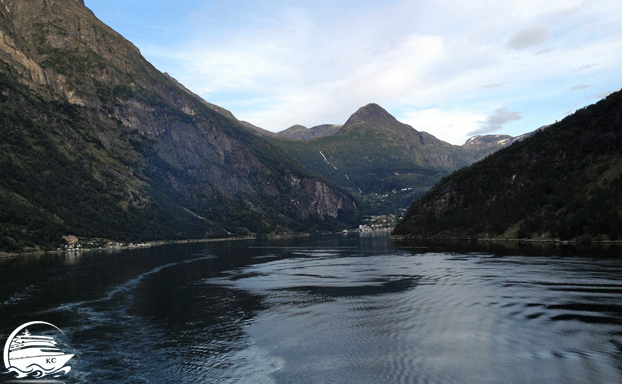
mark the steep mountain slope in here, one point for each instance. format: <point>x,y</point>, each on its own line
<point>97,143</point>
<point>564,182</point>
<point>382,161</point>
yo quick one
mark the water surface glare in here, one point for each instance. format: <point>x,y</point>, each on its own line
<point>343,309</point>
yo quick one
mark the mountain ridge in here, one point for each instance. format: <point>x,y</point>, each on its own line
<point>478,146</point>
<point>386,164</point>
<point>381,161</point>
<point>300,132</point>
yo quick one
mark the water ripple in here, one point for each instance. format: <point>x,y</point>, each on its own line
<point>335,313</point>
<point>422,318</point>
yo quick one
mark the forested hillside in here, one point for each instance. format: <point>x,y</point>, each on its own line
<point>564,182</point>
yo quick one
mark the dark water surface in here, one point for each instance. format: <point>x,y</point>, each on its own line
<point>326,310</point>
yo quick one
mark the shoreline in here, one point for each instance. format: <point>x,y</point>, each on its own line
<point>155,243</point>
<point>147,244</point>
<point>488,240</point>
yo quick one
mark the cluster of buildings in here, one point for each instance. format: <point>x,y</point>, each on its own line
<point>72,243</point>
<point>378,223</point>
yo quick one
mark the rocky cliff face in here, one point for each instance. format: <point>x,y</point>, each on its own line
<point>324,201</point>
<point>156,149</point>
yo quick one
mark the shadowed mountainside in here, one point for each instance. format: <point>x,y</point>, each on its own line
<point>564,182</point>
<point>98,143</point>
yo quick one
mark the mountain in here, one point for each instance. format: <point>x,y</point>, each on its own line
<point>98,143</point>
<point>256,129</point>
<point>296,132</point>
<point>480,146</point>
<point>477,145</point>
<point>300,132</point>
<point>386,164</point>
<point>564,182</point>
<point>383,162</point>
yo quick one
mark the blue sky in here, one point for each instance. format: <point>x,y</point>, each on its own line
<point>451,68</point>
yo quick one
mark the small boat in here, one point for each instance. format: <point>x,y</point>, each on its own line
<point>31,353</point>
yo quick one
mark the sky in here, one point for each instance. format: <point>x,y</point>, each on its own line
<point>451,68</point>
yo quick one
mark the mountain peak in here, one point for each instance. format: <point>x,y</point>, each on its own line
<point>371,114</point>
<point>297,127</point>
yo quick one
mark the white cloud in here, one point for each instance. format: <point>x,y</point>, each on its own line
<point>447,125</point>
<point>528,37</point>
<point>388,72</point>
<point>317,62</point>
<point>496,121</point>
<point>580,87</point>
<point>302,79</point>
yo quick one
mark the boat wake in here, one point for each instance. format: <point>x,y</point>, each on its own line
<point>125,288</point>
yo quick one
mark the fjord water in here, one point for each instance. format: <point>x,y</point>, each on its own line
<point>339,309</point>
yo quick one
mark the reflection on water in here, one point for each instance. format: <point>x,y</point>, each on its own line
<point>328,310</point>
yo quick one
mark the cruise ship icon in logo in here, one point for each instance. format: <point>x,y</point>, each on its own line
<point>29,355</point>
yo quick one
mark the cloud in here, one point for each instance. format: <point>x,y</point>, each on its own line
<point>496,85</point>
<point>580,87</point>
<point>277,63</point>
<point>584,67</point>
<point>306,79</point>
<point>603,95</point>
<point>451,126</point>
<point>495,121</point>
<point>528,37</point>
<point>543,51</point>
